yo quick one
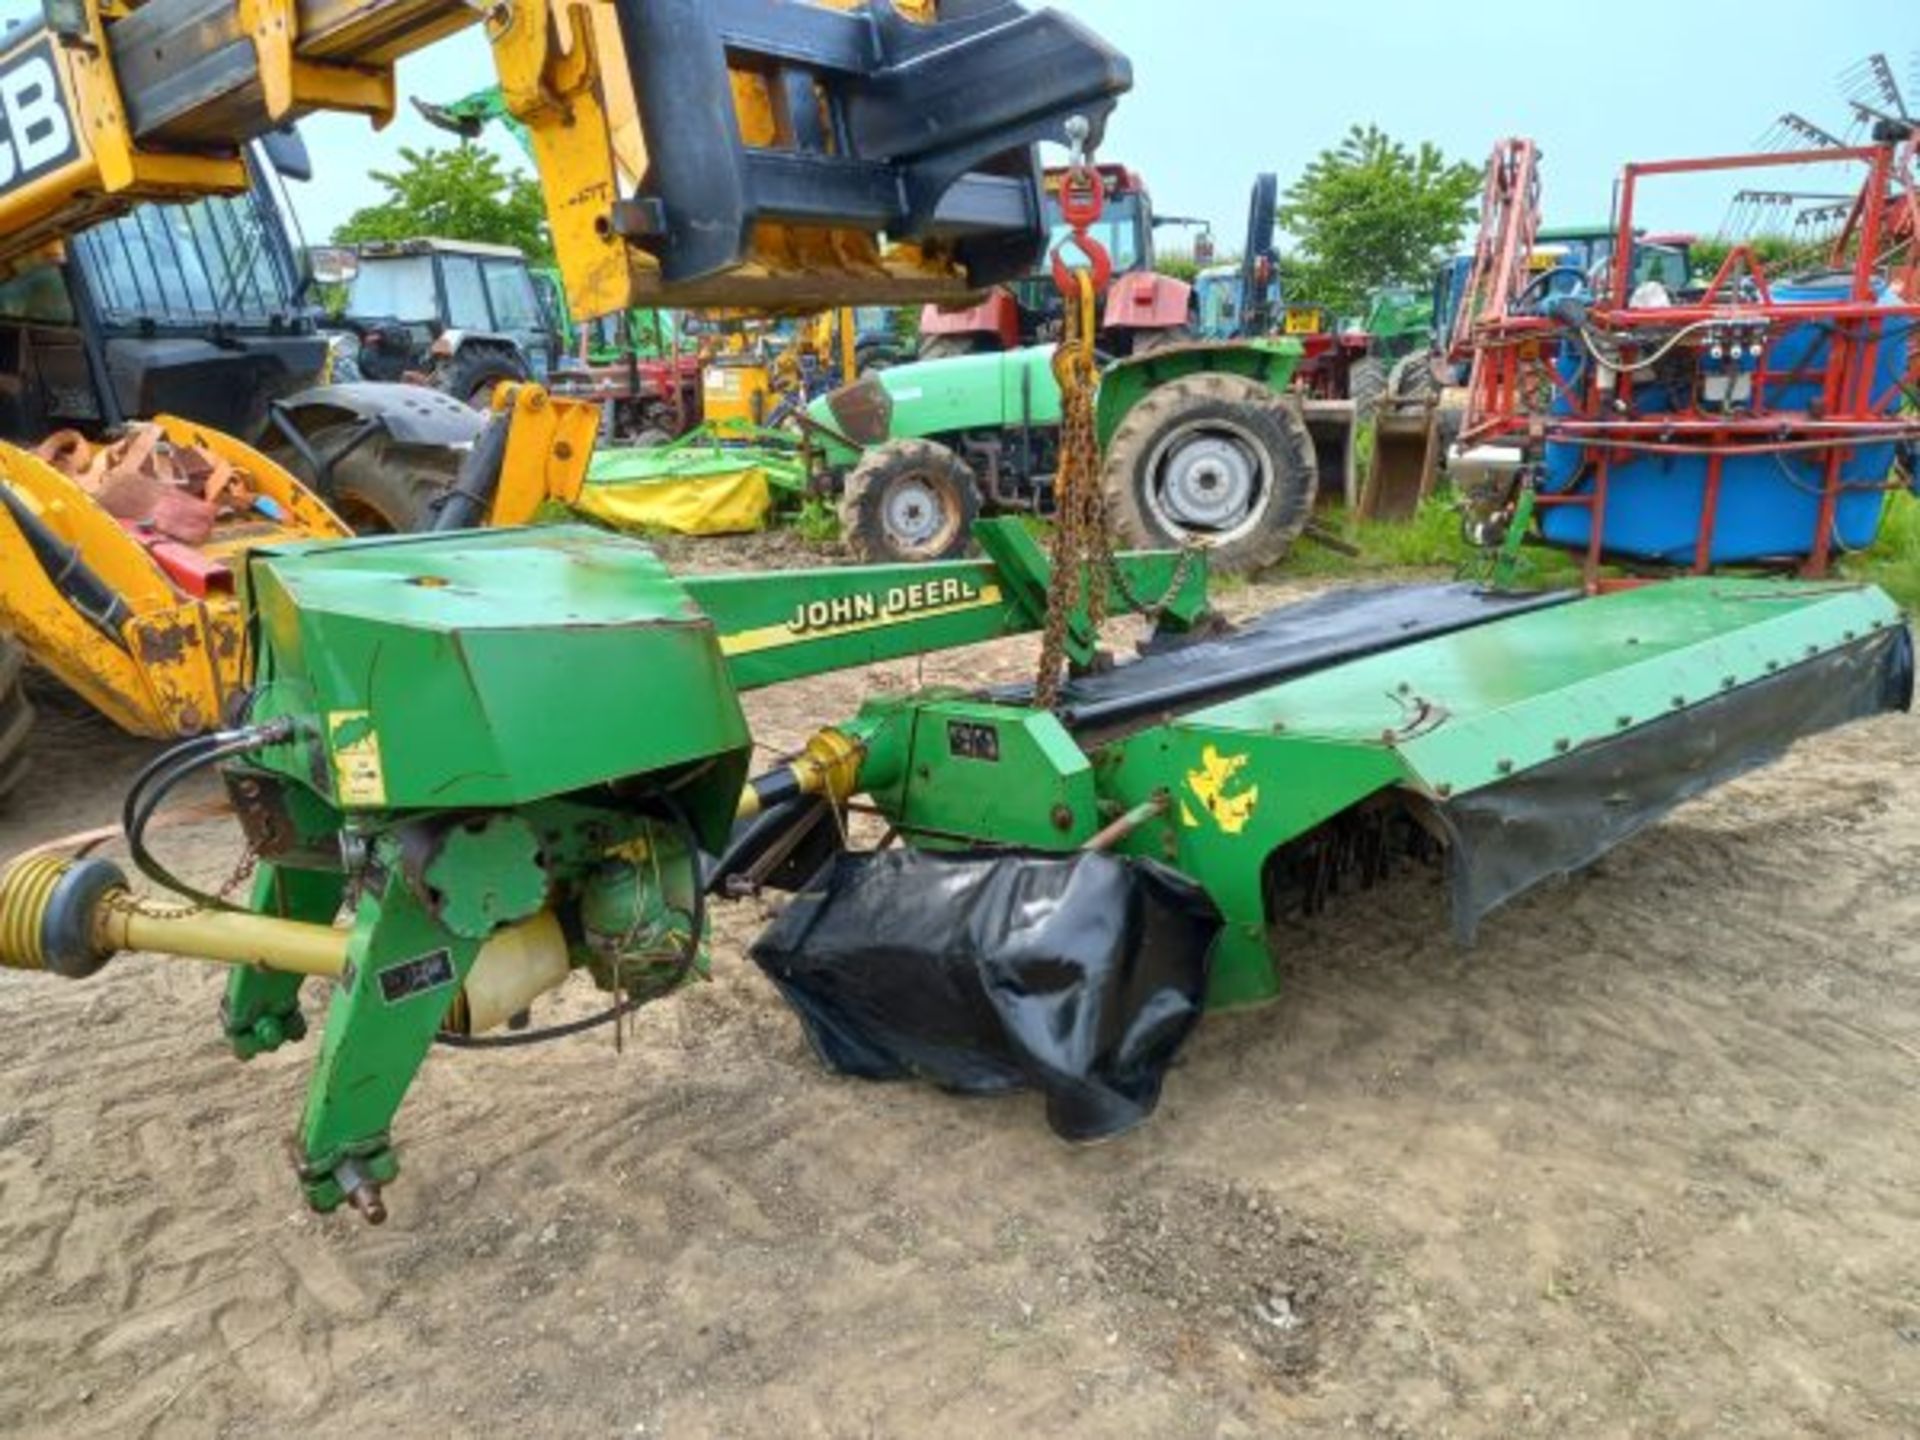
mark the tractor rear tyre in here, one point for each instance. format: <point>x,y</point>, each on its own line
<point>1367,385</point>
<point>380,488</point>
<point>1412,379</point>
<point>909,501</point>
<point>1218,459</point>
<point>947,347</point>
<point>16,719</point>
<point>473,372</point>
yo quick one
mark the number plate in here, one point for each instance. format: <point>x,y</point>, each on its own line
<point>1302,321</point>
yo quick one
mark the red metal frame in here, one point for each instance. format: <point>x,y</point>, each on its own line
<point>1512,378</point>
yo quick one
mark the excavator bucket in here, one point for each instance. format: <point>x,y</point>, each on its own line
<point>782,155</point>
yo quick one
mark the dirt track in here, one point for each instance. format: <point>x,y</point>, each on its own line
<point>1643,1162</point>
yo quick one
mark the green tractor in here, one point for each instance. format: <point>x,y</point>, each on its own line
<point>1201,443</point>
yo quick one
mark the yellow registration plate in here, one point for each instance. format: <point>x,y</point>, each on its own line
<point>1302,321</point>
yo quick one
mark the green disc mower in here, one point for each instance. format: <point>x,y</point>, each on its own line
<point>475,764</point>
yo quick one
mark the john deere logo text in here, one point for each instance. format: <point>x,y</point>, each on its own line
<point>879,607</point>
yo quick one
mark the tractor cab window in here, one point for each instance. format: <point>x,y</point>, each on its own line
<point>37,296</point>
<point>1665,263</point>
<point>466,295</point>
<point>396,287</point>
<point>515,306</point>
<point>1118,230</point>
<point>211,261</point>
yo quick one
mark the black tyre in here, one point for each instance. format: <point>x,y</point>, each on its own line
<point>16,719</point>
<point>651,439</point>
<point>1412,378</point>
<point>1215,458</point>
<point>379,488</point>
<point>909,500</point>
<point>473,372</point>
<point>1366,387</point>
<point>946,347</point>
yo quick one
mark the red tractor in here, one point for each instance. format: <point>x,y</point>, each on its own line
<point>1140,310</point>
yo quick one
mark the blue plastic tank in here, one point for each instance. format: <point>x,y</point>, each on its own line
<point>1769,504</point>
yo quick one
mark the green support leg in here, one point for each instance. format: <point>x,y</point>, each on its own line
<point>1242,974</point>
<point>262,1008</point>
<point>405,970</point>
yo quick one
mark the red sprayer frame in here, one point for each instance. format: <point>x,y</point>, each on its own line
<point>1514,385</point>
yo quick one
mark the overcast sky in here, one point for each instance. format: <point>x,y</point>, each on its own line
<point>1225,88</point>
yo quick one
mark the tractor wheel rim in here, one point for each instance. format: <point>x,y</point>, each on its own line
<point>1210,480</point>
<point>915,515</point>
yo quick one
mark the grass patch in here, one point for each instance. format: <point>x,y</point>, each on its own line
<point>1893,562</point>
<point>816,521</point>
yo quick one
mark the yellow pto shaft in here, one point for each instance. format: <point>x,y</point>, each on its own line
<point>69,917</point>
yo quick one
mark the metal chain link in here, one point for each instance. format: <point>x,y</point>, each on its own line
<point>1080,534</point>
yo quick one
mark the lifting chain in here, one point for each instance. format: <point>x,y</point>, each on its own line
<point>1082,546</point>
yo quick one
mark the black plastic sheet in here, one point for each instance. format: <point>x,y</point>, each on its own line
<point>1079,975</point>
<point>1179,673</point>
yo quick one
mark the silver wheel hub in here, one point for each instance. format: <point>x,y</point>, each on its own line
<point>1212,481</point>
<point>913,513</point>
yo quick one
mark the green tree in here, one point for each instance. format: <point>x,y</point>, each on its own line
<point>459,194</point>
<point>1775,252</point>
<point>1371,212</point>
<point>1178,266</point>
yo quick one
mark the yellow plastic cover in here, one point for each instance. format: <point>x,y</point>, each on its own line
<point>703,493</point>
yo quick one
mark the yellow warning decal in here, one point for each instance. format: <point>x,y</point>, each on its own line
<point>359,781</point>
<point>1211,785</point>
<point>867,610</point>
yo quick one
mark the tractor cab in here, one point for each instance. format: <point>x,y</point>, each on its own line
<point>1140,309</point>
<point>457,314</point>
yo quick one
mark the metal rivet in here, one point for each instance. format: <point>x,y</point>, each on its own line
<point>1623,721</point>
<point>1444,791</point>
<point>1563,744</point>
<point>1505,767</point>
<point>1679,702</point>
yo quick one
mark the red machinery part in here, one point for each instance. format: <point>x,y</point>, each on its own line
<point>1820,413</point>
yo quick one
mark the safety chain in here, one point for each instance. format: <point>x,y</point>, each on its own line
<point>1082,545</point>
<point>1152,610</point>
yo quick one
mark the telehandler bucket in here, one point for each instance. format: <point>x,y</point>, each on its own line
<point>775,154</point>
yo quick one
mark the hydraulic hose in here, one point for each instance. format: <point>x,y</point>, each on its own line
<point>468,504</point>
<point>96,601</point>
<point>157,780</point>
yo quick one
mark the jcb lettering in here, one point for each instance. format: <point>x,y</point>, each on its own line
<point>35,132</point>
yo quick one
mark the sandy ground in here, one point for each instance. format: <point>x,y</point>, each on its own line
<point>1642,1163</point>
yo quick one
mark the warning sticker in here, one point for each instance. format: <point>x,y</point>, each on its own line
<point>432,971</point>
<point>358,779</point>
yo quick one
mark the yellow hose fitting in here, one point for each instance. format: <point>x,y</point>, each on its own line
<point>830,765</point>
